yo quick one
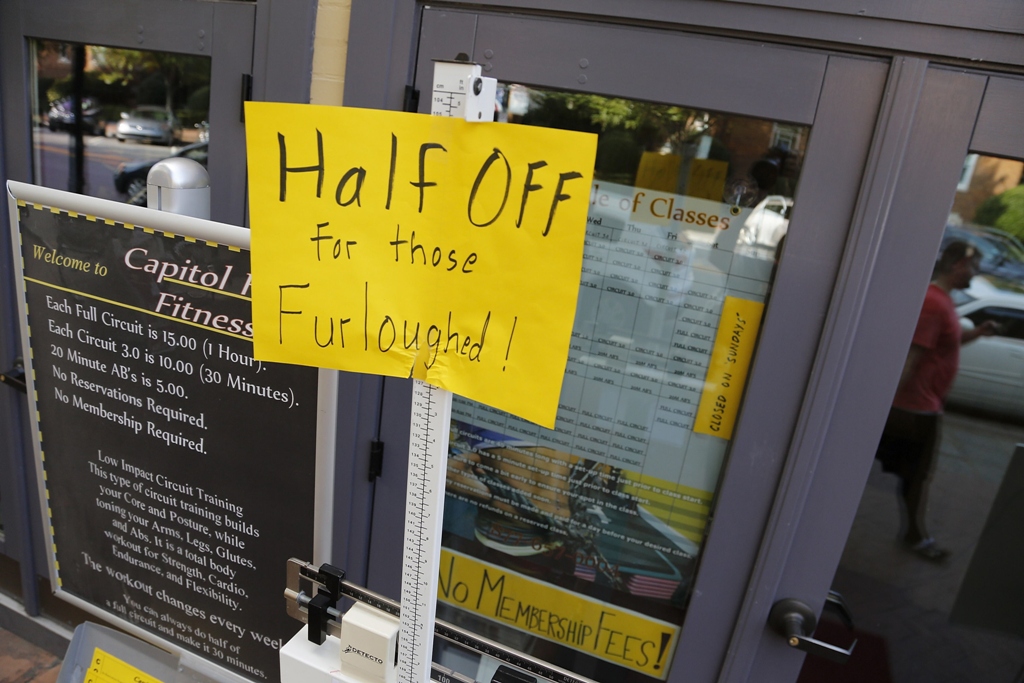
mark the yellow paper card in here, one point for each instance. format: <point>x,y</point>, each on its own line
<point>614,634</point>
<point>410,245</point>
<point>658,171</point>
<point>106,668</point>
<point>707,179</point>
<point>727,369</point>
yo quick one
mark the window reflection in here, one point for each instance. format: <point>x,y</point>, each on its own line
<point>546,530</point>
<point>949,609</point>
<point>103,116</point>
<point>988,214</point>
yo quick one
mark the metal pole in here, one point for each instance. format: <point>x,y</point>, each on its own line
<point>180,186</point>
<point>77,169</point>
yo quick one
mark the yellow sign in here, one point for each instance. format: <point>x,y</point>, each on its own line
<point>658,171</point>
<point>106,668</point>
<point>409,245</point>
<point>707,179</point>
<point>612,633</point>
<point>727,369</point>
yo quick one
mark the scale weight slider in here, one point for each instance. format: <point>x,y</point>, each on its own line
<point>461,92</point>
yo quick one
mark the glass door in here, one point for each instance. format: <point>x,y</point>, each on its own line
<point>101,94</point>
<point>619,544</point>
<point>590,533</point>
<point>931,566</point>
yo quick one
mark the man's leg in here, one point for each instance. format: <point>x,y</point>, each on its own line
<point>915,485</point>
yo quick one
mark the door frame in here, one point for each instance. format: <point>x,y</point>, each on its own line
<point>201,29</point>
<point>843,121</point>
<point>893,243</point>
<point>382,44</point>
<point>911,160</point>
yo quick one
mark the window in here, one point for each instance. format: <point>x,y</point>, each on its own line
<point>137,107</point>
<point>606,514</point>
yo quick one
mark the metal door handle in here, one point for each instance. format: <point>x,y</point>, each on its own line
<point>837,603</point>
<point>796,622</point>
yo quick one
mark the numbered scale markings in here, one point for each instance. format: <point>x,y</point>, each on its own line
<point>424,508</point>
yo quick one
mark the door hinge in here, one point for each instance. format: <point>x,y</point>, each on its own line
<point>376,459</point>
<point>246,96</point>
<point>411,102</point>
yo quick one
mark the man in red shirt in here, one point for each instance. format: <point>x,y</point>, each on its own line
<point>910,441</point>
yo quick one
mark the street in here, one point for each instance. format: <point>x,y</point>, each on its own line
<point>53,152</point>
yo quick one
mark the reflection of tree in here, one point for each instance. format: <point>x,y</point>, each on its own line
<point>761,157</point>
<point>1004,211</point>
<point>980,201</point>
<point>154,75</point>
<point>652,125</point>
<point>55,74</point>
<point>628,128</point>
<point>121,78</point>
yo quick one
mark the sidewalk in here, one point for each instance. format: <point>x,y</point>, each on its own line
<point>908,601</point>
<point>22,662</point>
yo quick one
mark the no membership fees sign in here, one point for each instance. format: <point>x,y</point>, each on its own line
<point>178,470</point>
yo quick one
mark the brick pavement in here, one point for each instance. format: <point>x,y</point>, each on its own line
<point>22,662</point>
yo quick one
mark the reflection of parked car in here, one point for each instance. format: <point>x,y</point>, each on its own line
<point>1009,244</point>
<point>62,116</point>
<point>991,375</point>
<point>767,223</point>
<point>999,255</point>
<point>149,124</point>
<point>130,179</point>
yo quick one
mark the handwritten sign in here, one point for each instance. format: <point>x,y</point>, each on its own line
<point>416,246</point>
<point>730,363</point>
<point>707,179</point>
<point>612,633</point>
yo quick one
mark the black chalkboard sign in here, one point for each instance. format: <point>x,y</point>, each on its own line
<point>178,471</point>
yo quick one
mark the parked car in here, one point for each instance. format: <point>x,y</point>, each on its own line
<point>1009,244</point>
<point>62,116</point>
<point>991,374</point>
<point>767,223</point>
<point>149,124</point>
<point>130,178</point>
<point>999,256</point>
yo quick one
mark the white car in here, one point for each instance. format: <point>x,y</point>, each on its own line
<point>767,223</point>
<point>991,375</point>
<point>148,124</point>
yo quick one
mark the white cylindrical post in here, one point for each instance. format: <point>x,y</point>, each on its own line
<point>180,186</point>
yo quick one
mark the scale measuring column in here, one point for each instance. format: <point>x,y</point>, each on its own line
<point>458,91</point>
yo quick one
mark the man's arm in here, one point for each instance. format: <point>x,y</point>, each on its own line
<point>910,365</point>
<point>986,329</point>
